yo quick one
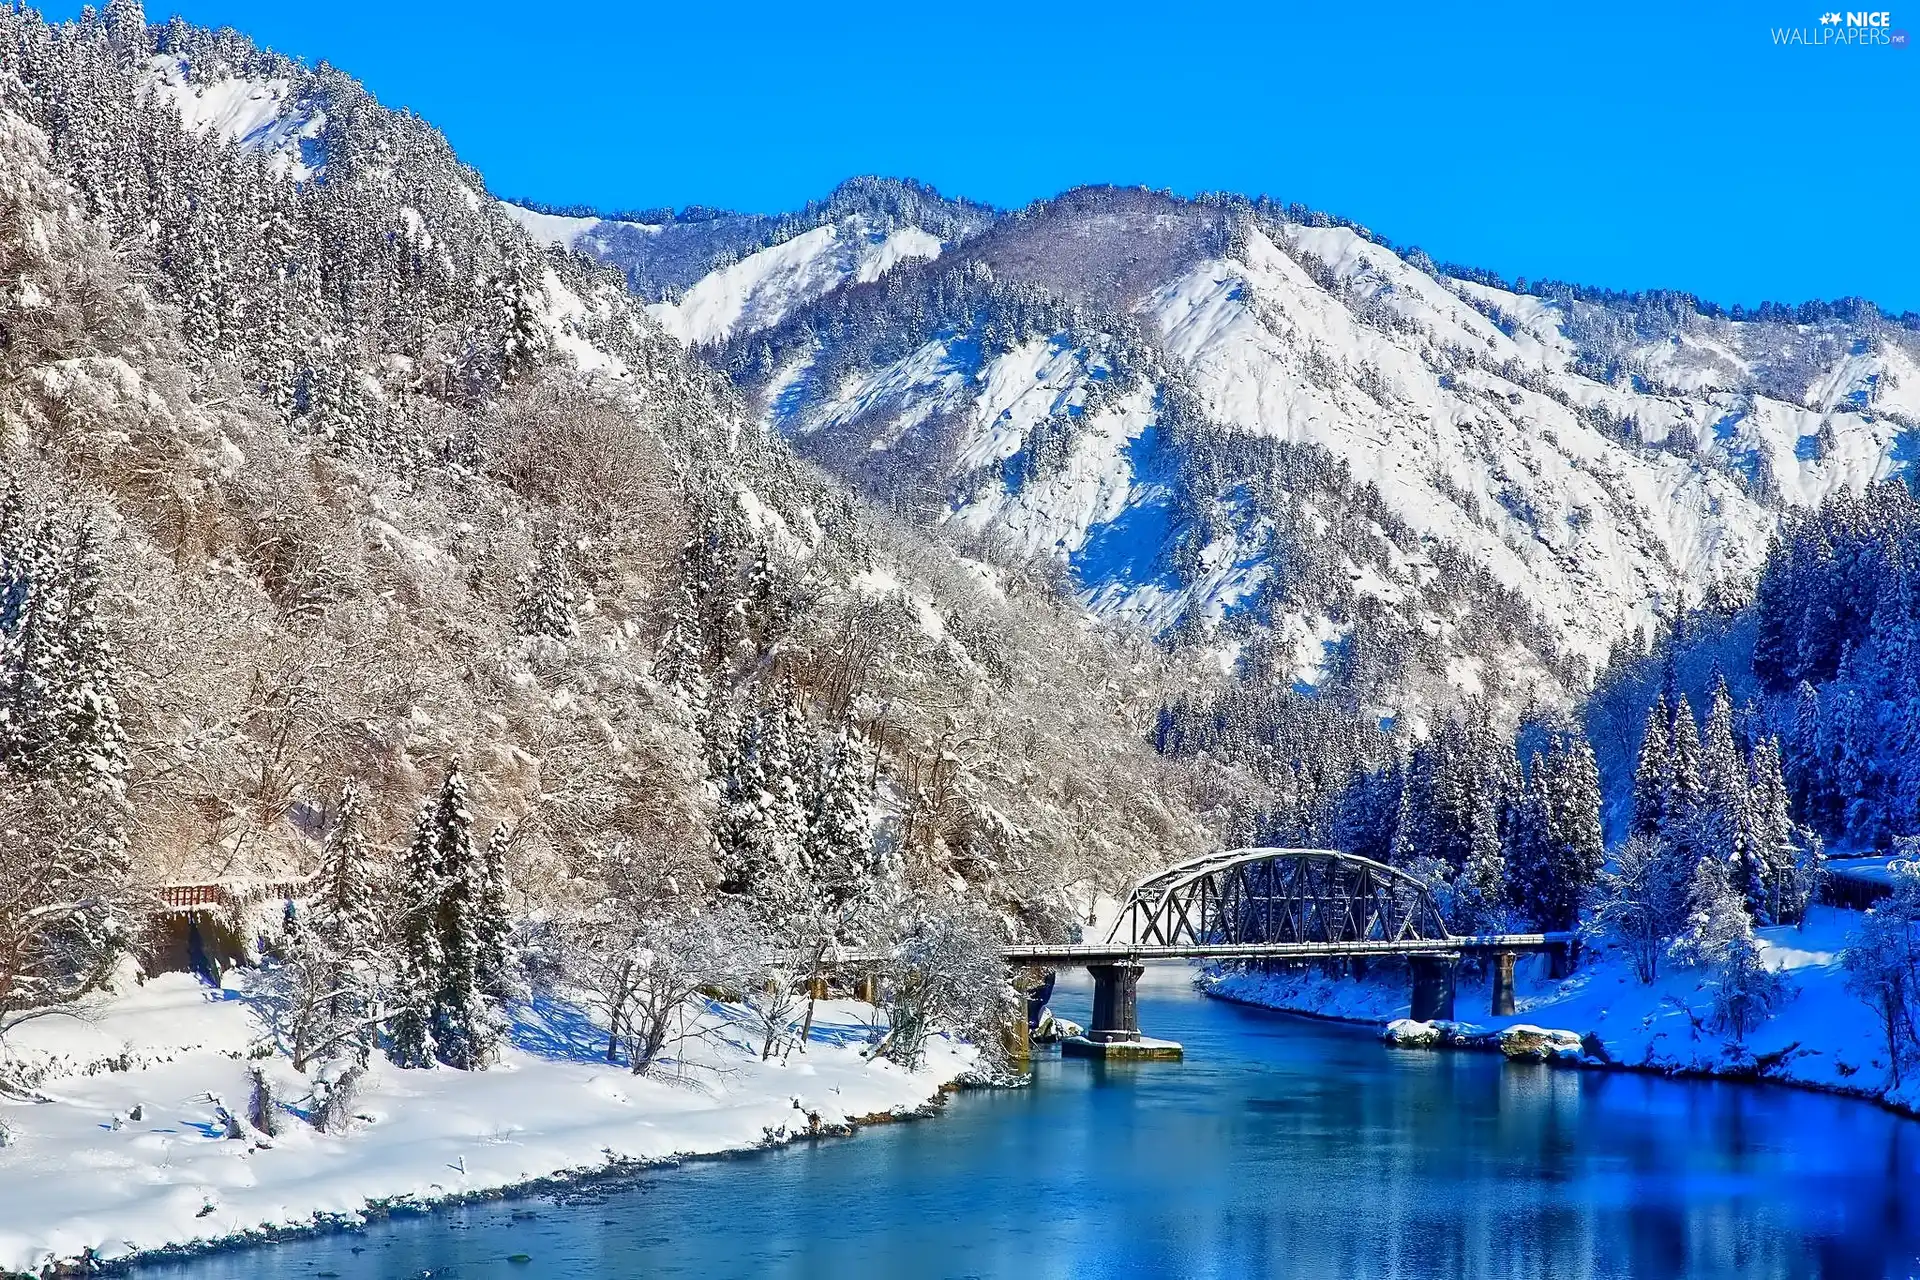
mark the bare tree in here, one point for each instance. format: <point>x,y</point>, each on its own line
<point>67,913</point>
<point>944,971</point>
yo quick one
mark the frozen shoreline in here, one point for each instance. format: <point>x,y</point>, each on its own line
<point>1822,1038</point>
<point>79,1178</point>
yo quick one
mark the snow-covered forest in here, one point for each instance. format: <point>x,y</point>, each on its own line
<point>356,539</point>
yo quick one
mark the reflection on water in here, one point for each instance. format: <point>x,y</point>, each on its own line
<point>1280,1147</point>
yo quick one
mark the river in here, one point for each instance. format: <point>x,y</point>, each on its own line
<point>1281,1147</point>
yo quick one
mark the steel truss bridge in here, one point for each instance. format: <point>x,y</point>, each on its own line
<point>1283,905</point>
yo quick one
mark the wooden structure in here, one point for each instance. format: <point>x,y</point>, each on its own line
<point>201,927</point>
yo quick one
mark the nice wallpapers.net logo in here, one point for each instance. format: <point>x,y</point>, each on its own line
<point>1869,29</point>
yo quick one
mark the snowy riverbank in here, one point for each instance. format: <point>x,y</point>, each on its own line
<point>78,1174</point>
<point>1822,1037</point>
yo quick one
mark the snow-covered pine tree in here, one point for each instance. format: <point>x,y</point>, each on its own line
<point>493,925</point>
<point>1524,834</point>
<point>766,608</point>
<point>411,1031</point>
<point>442,1011</point>
<point>1853,742</point>
<point>65,911</point>
<point>1480,892</point>
<point>1413,824</point>
<point>1683,797</point>
<point>710,572</point>
<point>1716,916</point>
<point>463,1026</point>
<point>761,823</point>
<point>787,764</point>
<point>1810,779</point>
<point>342,935</point>
<point>89,754</point>
<point>523,338</point>
<point>1364,816</point>
<point>33,662</point>
<point>846,870</point>
<point>1719,938</point>
<point>1722,825</point>
<point>681,661</point>
<point>1788,870</point>
<point>1579,848</point>
<point>546,603</point>
<point>1653,772</point>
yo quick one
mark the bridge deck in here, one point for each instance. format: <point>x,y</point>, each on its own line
<point>1119,952</point>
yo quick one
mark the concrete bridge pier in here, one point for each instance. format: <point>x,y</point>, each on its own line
<point>1116,1002</point>
<point>1502,983</point>
<point>1433,986</point>
<point>1114,1030</point>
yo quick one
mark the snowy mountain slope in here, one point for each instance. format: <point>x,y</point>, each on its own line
<point>1595,465</point>
<point>712,274</point>
<point>758,290</point>
<point>1598,534</point>
<point>564,231</point>
<point>265,115</point>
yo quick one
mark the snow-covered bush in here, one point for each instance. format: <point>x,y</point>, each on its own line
<point>1745,991</point>
<point>334,1099</point>
<point>1643,901</point>
<point>944,972</point>
<point>1718,938</point>
<point>263,1112</point>
<point>1716,922</point>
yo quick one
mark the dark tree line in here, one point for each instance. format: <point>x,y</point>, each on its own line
<point>1504,840</point>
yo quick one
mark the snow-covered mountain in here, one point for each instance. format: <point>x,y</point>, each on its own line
<point>360,451</point>
<point>1233,418</point>
<point>1234,422</point>
<point>714,276</point>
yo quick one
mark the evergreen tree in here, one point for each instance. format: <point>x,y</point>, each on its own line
<point>1480,892</point>
<point>1787,870</point>
<point>1811,779</point>
<point>546,600</point>
<point>1653,772</point>
<point>443,1011</point>
<point>681,663</point>
<point>1413,825</point>
<point>341,936</point>
<point>1682,801</point>
<point>517,296</point>
<point>1364,816</point>
<point>847,870</point>
<point>1529,860</point>
<point>411,1029</point>
<point>761,820</point>
<point>1556,842</point>
<point>492,923</point>
<point>463,1031</point>
<point>1721,827</point>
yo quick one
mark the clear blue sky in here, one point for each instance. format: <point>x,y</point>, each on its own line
<point>1627,145</point>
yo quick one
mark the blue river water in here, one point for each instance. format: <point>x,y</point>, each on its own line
<point>1282,1147</point>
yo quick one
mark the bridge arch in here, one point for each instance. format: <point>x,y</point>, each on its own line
<point>1263,896</point>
